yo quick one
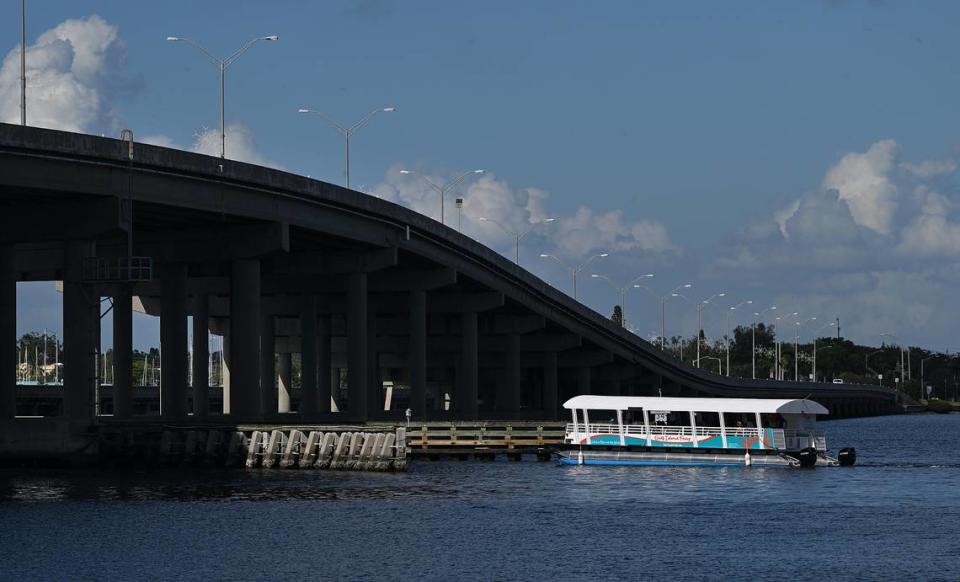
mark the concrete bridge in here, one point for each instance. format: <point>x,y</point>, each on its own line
<point>372,296</point>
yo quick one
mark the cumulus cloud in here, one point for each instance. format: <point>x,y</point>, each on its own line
<point>863,181</point>
<point>931,233</point>
<point>510,210</point>
<point>75,73</point>
<point>239,141</point>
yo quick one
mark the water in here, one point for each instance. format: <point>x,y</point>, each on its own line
<point>895,516</point>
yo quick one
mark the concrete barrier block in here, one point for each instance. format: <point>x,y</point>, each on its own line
<point>326,450</point>
<point>308,453</point>
<point>292,450</point>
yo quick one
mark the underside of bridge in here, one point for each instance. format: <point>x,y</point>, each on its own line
<point>381,308</point>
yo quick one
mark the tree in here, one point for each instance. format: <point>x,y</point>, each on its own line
<point>617,316</point>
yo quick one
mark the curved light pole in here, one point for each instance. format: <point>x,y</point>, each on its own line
<point>346,132</point>
<point>623,292</point>
<point>753,339</point>
<point>903,370</point>
<point>222,64</point>
<point>817,331</point>
<point>442,188</point>
<point>23,62</point>
<point>729,311</point>
<point>923,387</point>
<point>700,306</point>
<point>574,271</point>
<point>719,364</point>
<point>517,236</point>
<point>663,302</point>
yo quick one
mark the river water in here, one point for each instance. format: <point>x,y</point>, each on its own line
<point>895,516</point>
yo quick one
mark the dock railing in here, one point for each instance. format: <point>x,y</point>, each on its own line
<point>782,439</point>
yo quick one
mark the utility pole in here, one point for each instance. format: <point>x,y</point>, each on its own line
<point>23,62</point>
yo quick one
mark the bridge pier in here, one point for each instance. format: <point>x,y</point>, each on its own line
<point>284,381</point>
<point>243,348</point>
<point>466,401</point>
<point>122,352</point>
<point>357,347</point>
<point>308,356</point>
<point>417,354</point>
<point>80,320</point>
<point>268,368</point>
<point>325,372</point>
<point>8,332</point>
<point>173,340</point>
<point>583,380</point>
<point>551,394</point>
<point>201,355</point>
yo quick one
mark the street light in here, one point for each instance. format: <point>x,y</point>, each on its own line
<point>222,64</point>
<point>753,339</point>
<point>516,235</point>
<point>779,369</point>
<point>731,310</point>
<point>923,387</point>
<point>574,271</point>
<point>663,302</point>
<point>346,132</point>
<point>23,62</point>
<point>442,189</point>
<point>903,370</point>
<point>623,292</point>
<point>719,364</point>
<point>796,348</point>
<point>700,306</point>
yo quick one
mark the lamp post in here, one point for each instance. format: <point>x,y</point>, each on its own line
<point>442,189</point>
<point>796,348</point>
<point>574,271</point>
<point>779,369</point>
<point>517,236</point>
<point>826,325</point>
<point>923,387</point>
<point>663,302</point>
<point>459,202</point>
<point>623,292</point>
<point>346,132</point>
<point>222,64</point>
<point>731,310</point>
<point>753,339</point>
<point>700,307</point>
<point>23,62</point>
<point>900,345</point>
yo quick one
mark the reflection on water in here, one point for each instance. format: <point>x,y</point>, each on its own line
<point>504,520</point>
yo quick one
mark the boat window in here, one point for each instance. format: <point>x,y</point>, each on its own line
<point>603,417</point>
<point>739,420</point>
<point>711,419</point>
<point>772,421</point>
<point>633,416</point>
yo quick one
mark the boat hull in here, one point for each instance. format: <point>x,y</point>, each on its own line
<point>672,459</point>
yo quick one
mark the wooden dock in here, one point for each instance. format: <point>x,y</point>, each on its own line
<point>484,439</point>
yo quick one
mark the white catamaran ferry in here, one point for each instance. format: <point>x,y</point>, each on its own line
<point>627,430</point>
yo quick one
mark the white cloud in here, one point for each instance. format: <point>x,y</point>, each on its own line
<point>931,233</point>
<point>240,144</point>
<point>930,169</point>
<point>75,71</point>
<point>517,210</point>
<point>863,182</point>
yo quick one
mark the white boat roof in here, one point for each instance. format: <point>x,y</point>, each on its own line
<point>763,405</point>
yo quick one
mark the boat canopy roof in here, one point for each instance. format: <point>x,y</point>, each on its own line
<point>763,405</point>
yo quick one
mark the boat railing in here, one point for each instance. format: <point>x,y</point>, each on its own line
<point>782,438</point>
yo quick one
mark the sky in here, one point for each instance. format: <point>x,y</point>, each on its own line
<point>797,154</point>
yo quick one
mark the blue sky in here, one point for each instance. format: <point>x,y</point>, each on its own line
<point>697,121</point>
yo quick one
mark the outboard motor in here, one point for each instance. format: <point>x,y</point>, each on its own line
<point>807,457</point>
<point>847,457</point>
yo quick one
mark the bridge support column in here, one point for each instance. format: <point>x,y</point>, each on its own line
<point>357,374</point>
<point>324,366</point>
<point>173,340</point>
<point>551,394</point>
<point>418,354</point>
<point>201,355</point>
<point>514,372</point>
<point>122,353</point>
<point>243,347</point>
<point>80,320</point>
<point>284,381</point>
<point>8,333</point>
<point>308,356</point>
<point>225,373</point>
<point>583,380</point>
<point>466,401</point>
<point>268,368</point>
<point>615,388</point>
